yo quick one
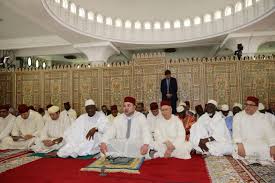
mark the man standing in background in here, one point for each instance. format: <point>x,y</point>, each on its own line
<point>169,89</point>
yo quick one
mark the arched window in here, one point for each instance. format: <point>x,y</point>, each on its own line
<point>36,63</point>
<point>248,3</point>
<point>207,18</point>
<point>29,61</point>
<point>197,20</point>
<point>227,11</point>
<point>147,25</point>
<point>217,15</point>
<point>238,7</point>
<point>157,25</point>
<point>44,65</point>
<point>91,15</point>
<point>65,4</point>
<point>187,23</point>
<point>81,12</point>
<point>128,24</point>
<point>57,1</point>
<point>137,25</point>
<point>118,23</point>
<point>167,25</point>
<point>99,18</point>
<point>109,21</point>
<point>177,24</point>
<point>73,8</point>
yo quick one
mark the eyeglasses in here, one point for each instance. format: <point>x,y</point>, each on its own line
<point>250,104</point>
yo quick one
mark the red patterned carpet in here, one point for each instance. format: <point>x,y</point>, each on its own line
<point>68,170</point>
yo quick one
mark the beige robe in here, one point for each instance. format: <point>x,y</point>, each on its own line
<point>30,126</point>
<point>171,130</point>
<point>6,126</point>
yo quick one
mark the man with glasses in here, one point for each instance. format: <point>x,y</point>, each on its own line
<point>253,134</point>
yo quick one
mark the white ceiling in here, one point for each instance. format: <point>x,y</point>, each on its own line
<point>27,27</point>
<point>153,9</point>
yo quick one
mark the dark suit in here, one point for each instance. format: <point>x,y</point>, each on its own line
<point>173,89</point>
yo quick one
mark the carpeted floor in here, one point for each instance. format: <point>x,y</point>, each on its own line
<point>23,166</point>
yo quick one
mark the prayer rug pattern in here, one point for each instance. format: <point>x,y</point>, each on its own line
<point>9,154</point>
<point>228,170</point>
<point>130,165</point>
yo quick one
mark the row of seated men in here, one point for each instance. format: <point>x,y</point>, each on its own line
<point>131,134</point>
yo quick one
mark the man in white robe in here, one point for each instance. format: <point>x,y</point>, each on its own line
<point>237,107</point>
<point>153,116</point>
<point>129,136</point>
<point>6,123</point>
<point>46,116</point>
<point>83,136</point>
<point>270,117</point>
<point>227,115</point>
<point>253,134</point>
<point>113,115</point>
<point>27,127</point>
<point>68,111</point>
<point>51,136</point>
<point>170,135</point>
<point>209,135</point>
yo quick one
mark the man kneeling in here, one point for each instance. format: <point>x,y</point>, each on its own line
<point>170,136</point>
<point>51,137</point>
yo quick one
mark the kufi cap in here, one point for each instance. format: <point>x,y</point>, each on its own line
<point>212,102</point>
<point>22,108</point>
<point>180,109</point>
<point>130,99</point>
<point>253,99</point>
<point>165,102</point>
<point>225,107</point>
<point>89,102</point>
<point>53,109</point>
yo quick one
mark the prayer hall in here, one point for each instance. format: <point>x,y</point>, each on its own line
<point>137,91</point>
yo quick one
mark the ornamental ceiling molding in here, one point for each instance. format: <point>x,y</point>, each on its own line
<point>217,27</point>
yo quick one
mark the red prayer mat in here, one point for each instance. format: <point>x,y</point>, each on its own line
<point>68,170</point>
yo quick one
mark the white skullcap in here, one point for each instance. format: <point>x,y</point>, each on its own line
<point>89,102</point>
<point>180,108</point>
<point>53,109</point>
<point>238,105</point>
<point>182,104</point>
<point>212,102</point>
<point>225,107</point>
<point>261,106</point>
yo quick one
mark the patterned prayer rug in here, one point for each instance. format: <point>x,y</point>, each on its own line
<point>53,154</point>
<point>227,169</point>
<point>10,153</point>
<point>119,164</point>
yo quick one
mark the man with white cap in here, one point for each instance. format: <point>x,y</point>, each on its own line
<point>129,136</point>
<point>152,117</point>
<point>27,127</point>
<point>209,135</point>
<point>170,135</point>
<point>83,136</point>
<point>237,107</point>
<point>187,119</point>
<point>228,117</point>
<point>270,117</point>
<point>6,123</point>
<point>253,135</point>
<point>51,136</point>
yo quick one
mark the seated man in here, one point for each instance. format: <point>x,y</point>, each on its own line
<point>237,107</point>
<point>228,117</point>
<point>253,134</point>
<point>27,127</point>
<point>68,111</point>
<point>114,114</point>
<point>153,116</point>
<point>170,136</point>
<point>51,136</point>
<point>270,117</point>
<point>129,136</point>
<point>209,135</point>
<point>6,123</point>
<point>187,120</point>
<point>83,136</point>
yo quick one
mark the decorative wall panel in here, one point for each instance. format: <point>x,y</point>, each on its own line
<point>225,80</point>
